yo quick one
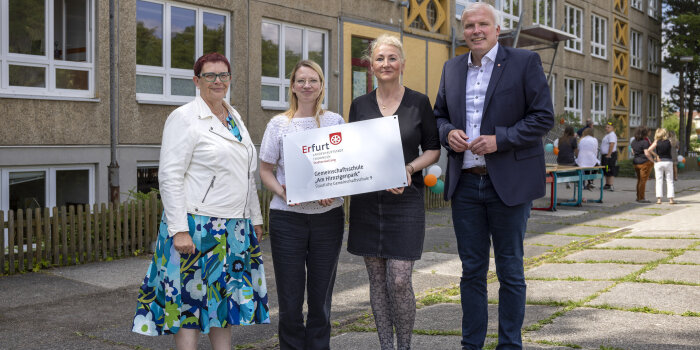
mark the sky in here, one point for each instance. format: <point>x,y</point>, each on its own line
<point>668,81</point>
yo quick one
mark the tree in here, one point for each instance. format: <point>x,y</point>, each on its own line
<point>682,38</point>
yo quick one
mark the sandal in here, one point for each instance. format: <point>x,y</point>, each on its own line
<point>658,201</point>
<point>671,201</point>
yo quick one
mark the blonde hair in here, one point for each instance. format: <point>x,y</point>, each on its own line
<point>661,134</point>
<point>294,101</point>
<point>385,39</point>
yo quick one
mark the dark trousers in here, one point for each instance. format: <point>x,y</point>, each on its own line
<point>480,216</point>
<point>305,249</point>
<point>643,171</point>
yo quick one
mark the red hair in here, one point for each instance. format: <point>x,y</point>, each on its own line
<point>210,57</point>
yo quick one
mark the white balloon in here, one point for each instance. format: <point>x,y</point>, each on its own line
<point>435,170</point>
<point>680,158</point>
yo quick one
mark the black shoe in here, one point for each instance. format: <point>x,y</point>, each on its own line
<point>643,201</point>
<point>606,187</point>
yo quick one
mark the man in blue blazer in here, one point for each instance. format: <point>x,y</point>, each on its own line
<point>492,109</point>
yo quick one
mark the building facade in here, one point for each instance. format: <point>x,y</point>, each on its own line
<point>55,68</point>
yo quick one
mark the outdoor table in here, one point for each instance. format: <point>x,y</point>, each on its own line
<point>557,174</point>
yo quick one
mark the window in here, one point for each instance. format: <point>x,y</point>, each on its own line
<point>573,101</point>
<point>654,58</point>
<point>46,187</point>
<point>653,108</point>
<point>282,46</point>
<point>510,13</point>
<point>599,100</point>
<point>460,5</point>
<point>574,26</point>
<point>635,108</point>
<point>599,36</point>
<point>653,8</point>
<point>636,49</point>
<point>146,177</point>
<point>636,4</point>
<point>169,38</point>
<point>47,48</point>
<point>543,12</point>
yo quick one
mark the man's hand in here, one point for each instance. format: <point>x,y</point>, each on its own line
<point>183,243</point>
<point>457,139</point>
<point>484,144</point>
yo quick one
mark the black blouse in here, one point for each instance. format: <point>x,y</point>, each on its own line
<point>416,123</point>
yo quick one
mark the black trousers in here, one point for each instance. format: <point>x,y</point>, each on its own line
<point>305,249</point>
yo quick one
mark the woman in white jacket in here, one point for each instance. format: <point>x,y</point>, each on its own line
<point>207,270</point>
<point>587,152</point>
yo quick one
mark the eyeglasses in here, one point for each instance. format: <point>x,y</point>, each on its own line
<point>303,82</point>
<point>211,77</point>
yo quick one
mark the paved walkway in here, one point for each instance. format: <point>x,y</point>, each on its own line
<point>614,275</point>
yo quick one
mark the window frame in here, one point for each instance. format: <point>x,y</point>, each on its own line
<point>570,45</point>
<point>636,50</point>
<point>47,61</point>
<point>653,110</point>
<point>577,84</point>
<point>513,17</point>
<point>168,73</point>
<point>282,83</point>
<point>537,17</point>
<point>635,108</point>
<point>653,55</point>
<point>599,49</point>
<point>50,190</point>
<point>653,9</point>
<point>599,108</point>
<point>462,3</point>
<point>637,5</point>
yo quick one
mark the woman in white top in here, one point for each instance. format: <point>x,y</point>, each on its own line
<point>305,237</point>
<point>587,152</point>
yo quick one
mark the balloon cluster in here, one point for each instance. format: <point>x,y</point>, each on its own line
<point>681,162</point>
<point>549,148</point>
<point>432,180</point>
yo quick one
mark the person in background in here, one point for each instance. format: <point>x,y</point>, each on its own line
<point>387,228</point>
<point>567,147</point>
<point>587,153</point>
<point>642,161</point>
<point>306,237</point>
<point>589,125</point>
<point>674,152</point>
<point>608,157</point>
<point>207,270</point>
<point>660,151</point>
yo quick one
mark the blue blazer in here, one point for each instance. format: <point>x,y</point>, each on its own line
<point>517,109</point>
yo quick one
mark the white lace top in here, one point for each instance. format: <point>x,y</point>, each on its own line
<point>271,151</point>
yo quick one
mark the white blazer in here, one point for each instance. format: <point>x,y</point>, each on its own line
<point>204,169</point>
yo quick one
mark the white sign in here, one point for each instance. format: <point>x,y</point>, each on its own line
<point>344,159</point>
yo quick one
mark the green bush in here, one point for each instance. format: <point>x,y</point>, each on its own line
<point>626,168</point>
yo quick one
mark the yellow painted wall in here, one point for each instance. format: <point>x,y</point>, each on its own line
<point>350,30</point>
<point>414,73</point>
<point>437,55</point>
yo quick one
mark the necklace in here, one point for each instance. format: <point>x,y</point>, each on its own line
<point>383,105</point>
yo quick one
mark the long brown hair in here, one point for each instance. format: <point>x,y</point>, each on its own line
<point>568,134</point>
<point>294,102</point>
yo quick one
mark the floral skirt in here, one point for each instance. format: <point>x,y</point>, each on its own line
<point>221,284</point>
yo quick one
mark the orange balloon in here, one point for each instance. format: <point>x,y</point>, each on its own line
<point>556,150</point>
<point>430,180</point>
<point>683,160</point>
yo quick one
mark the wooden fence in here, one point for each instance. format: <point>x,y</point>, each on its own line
<point>39,238</point>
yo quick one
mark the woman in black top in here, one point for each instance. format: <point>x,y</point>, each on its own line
<point>567,147</point>
<point>663,165</point>
<point>387,227</point>
<point>643,163</point>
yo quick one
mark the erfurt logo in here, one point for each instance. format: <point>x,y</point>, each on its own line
<point>314,148</point>
<point>335,138</point>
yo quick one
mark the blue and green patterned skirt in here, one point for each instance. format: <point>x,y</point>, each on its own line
<point>221,284</point>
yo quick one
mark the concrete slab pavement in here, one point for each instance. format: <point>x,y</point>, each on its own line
<point>578,293</point>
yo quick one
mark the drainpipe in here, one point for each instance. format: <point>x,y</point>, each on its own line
<point>113,173</point>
